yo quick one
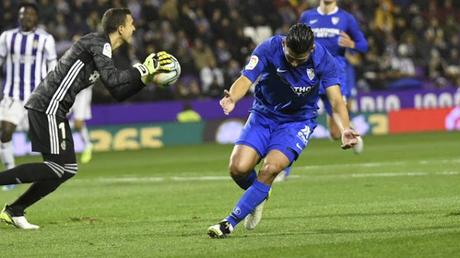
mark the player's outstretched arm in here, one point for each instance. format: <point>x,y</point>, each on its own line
<point>125,83</point>
<point>340,116</point>
<point>238,89</point>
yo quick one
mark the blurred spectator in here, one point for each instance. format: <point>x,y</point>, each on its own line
<point>384,19</point>
<point>188,115</point>
<point>402,70</point>
<point>212,80</point>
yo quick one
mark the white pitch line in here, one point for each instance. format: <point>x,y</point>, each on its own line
<point>199,178</point>
<point>126,179</point>
<point>226,178</point>
<point>376,164</point>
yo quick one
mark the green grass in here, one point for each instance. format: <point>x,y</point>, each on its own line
<point>401,198</point>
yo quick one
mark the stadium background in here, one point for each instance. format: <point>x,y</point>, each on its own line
<point>412,63</point>
<point>400,198</point>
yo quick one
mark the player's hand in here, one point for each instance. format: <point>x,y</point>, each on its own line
<point>227,103</point>
<point>349,138</point>
<point>346,41</point>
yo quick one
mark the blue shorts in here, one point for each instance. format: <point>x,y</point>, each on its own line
<point>264,133</point>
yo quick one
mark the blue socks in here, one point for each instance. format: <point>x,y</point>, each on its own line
<point>255,195</point>
<point>246,182</point>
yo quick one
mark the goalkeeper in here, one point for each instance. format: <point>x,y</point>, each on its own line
<point>86,61</point>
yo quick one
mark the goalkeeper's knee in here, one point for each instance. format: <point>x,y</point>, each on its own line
<point>70,170</point>
<point>65,171</point>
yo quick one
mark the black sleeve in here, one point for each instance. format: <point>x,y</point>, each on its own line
<point>121,83</point>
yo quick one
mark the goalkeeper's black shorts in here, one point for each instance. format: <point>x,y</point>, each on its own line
<point>51,134</point>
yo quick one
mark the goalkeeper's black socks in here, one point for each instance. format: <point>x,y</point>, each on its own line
<point>35,192</point>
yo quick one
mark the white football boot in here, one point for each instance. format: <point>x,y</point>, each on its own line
<point>253,218</point>
<point>19,222</point>
<point>221,230</point>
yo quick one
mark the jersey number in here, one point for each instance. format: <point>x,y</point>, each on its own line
<point>62,128</point>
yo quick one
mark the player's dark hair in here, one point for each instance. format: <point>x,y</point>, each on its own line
<point>113,18</point>
<point>30,4</point>
<point>300,38</point>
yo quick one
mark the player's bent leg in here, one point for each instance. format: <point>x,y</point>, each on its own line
<point>14,213</point>
<point>32,172</point>
<point>274,163</point>
<point>242,162</point>
<point>87,154</point>
<point>7,131</point>
<point>283,175</point>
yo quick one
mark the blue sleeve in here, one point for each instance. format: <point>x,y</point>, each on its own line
<point>329,70</point>
<point>357,35</point>
<point>304,18</point>
<point>257,62</point>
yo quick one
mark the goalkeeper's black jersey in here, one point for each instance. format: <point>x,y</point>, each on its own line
<point>89,59</point>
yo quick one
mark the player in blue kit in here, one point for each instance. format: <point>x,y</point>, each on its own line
<point>282,118</point>
<point>338,31</point>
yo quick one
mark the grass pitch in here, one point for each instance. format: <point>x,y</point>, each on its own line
<point>400,198</point>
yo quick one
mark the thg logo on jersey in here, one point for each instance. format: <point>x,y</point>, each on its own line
<point>301,91</point>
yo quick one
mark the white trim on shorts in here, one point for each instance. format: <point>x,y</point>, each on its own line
<point>53,132</point>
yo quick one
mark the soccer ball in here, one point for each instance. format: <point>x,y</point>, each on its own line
<point>168,78</point>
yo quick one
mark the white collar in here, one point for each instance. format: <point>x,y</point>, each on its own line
<point>336,9</point>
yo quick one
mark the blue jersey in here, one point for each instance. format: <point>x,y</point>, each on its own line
<point>327,28</point>
<point>286,91</point>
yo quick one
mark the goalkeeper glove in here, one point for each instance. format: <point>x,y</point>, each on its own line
<point>150,66</point>
<point>164,59</point>
<point>155,63</point>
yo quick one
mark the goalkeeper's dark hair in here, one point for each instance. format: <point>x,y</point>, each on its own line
<point>113,18</point>
<point>300,38</point>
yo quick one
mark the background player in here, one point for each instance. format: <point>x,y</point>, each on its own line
<point>282,118</point>
<point>338,31</point>
<point>87,59</point>
<point>27,54</point>
<point>81,112</point>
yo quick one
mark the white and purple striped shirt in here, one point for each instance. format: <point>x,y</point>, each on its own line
<point>27,57</point>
